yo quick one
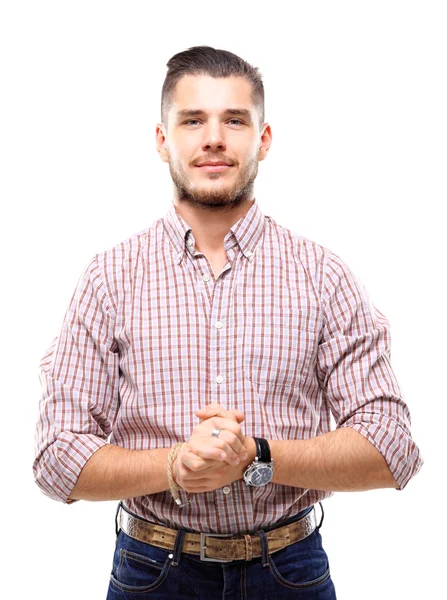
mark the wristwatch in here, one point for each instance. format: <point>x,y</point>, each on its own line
<point>260,472</point>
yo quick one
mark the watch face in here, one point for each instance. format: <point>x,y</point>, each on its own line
<point>261,476</point>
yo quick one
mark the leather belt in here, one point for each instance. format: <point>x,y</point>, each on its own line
<point>218,547</point>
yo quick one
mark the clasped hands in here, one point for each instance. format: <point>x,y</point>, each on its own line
<point>205,462</point>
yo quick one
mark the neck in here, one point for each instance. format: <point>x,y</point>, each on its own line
<point>210,227</point>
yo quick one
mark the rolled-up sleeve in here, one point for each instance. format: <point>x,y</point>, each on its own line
<point>356,375</point>
<point>79,374</point>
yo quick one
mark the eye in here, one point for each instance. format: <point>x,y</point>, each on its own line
<point>238,121</point>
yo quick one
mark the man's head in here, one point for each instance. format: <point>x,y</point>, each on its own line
<point>212,109</point>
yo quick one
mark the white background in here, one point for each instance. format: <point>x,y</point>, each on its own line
<point>356,98</point>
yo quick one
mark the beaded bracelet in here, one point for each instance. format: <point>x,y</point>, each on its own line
<point>172,485</point>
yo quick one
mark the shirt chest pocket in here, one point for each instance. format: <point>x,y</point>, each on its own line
<point>280,347</point>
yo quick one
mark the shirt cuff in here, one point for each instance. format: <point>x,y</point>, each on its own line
<point>401,454</point>
<point>59,467</point>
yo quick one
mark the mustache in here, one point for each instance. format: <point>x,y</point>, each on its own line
<point>213,159</point>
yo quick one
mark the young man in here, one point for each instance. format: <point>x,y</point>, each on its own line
<point>213,320</point>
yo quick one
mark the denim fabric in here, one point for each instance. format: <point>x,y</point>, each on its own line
<point>300,570</point>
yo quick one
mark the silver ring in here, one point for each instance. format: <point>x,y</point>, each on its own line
<point>215,432</point>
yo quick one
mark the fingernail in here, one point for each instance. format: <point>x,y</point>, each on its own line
<point>236,461</point>
<point>245,456</point>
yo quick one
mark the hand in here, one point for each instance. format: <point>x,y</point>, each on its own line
<point>229,446</point>
<point>199,461</point>
<point>234,453</point>
<point>204,475</point>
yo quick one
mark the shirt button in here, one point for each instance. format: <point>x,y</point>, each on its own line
<point>206,278</point>
<point>249,253</point>
<point>226,490</point>
<point>219,379</point>
<point>190,242</point>
<point>218,324</point>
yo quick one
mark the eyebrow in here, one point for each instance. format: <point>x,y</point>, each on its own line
<point>196,112</point>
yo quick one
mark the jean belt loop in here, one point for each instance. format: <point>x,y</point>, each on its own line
<point>178,547</point>
<point>322,516</point>
<point>117,527</point>
<point>265,548</point>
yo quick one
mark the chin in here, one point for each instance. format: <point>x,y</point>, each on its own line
<point>203,189</point>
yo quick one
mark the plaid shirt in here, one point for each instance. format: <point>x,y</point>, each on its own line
<point>286,334</point>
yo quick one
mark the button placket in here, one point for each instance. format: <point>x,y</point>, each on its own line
<point>217,343</point>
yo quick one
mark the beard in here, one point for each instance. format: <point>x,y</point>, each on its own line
<point>208,197</point>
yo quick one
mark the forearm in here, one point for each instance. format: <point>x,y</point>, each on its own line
<point>115,473</point>
<point>340,461</point>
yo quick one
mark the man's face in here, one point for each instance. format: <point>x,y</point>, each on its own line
<point>213,133</point>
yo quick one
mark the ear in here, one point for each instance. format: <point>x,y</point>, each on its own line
<point>160,141</point>
<point>266,141</point>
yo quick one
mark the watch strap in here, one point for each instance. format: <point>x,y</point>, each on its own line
<point>262,450</point>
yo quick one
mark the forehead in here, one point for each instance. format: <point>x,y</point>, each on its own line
<point>212,94</point>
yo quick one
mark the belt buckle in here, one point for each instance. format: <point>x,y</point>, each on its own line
<point>203,547</point>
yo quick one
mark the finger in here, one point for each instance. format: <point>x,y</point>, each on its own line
<point>232,413</point>
<point>215,410</point>
<point>212,454</point>
<point>203,457</point>
<point>188,463</point>
<point>228,425</point>
<point>224,423</point>
<point>232,456</point>
<point>190,479</point>
<point>213,407</point>
<point>233,441</point>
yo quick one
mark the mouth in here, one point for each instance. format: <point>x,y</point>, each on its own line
<point>214,168</point>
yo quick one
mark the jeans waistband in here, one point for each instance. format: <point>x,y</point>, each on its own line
<point>291,519</point>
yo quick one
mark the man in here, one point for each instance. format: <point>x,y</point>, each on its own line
<point>213,320</point>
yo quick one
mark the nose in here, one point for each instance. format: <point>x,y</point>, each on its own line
<point>213,138</point>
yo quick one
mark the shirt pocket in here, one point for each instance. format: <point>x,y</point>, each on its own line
<point>280,347</point>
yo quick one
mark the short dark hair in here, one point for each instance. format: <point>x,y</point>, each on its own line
<point>205,60</point>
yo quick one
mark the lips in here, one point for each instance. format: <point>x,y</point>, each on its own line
<point>215,168</point>
<point>210,163</point>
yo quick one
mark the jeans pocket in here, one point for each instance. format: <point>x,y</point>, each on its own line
<point>138,567</point>
<point>301,565</point>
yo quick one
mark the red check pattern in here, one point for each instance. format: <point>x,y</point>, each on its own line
<point>287,334</point>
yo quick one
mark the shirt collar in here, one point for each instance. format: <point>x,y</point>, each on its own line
<point>245,233</point>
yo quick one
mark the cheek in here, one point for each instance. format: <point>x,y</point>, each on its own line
<point>249,151</point>
<point>182,164</point>
<point>181,150</point>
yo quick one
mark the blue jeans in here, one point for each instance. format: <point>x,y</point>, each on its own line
<point>300,571</point>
